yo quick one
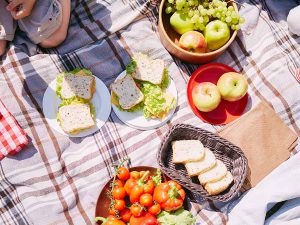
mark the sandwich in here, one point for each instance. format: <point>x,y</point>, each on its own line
<point>151,79</point>
<point>75,115</point>
<point>147,69</point>
<point>126,94</point>
<point>76,83</point>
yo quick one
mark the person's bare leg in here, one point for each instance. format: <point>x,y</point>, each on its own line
<point>2,46</point>
<point>61,33</point>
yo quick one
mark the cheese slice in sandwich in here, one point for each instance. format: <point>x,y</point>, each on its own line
<point>148,69</point>
<point>214,174</point>
<point>127,92</point>
<point>203,165</point>
<point>187,151</point>
<point>76,117</point>
<point>214,188</point>
<point>71,85</point>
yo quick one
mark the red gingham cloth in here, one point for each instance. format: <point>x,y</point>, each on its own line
<point>12,136</point>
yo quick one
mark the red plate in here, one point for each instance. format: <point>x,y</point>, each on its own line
<point>226,111</point>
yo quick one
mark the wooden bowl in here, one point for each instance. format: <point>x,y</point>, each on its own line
<point>103,202</point>
<point>170,39</point>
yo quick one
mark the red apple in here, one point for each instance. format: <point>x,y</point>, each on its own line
<point>206,96</point>
<point>193,41</point>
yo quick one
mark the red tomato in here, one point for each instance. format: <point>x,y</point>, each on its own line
<point>123,173</point>
<point>149,187</point>
<point>136,210</point>
<point>118,183</point>
<point>134,175</point>
<point>119,193</point>
<point>135,193</point>
<point>146,200</point>
<point>125,214</point>
<point>119,204</point>
<point>154,209</point>
<point>112,212</point>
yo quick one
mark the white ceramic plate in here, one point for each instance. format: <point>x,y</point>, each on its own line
<point>137,119</point>
<point>101,102</point>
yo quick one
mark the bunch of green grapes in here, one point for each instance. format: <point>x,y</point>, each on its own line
<point>202,12</point>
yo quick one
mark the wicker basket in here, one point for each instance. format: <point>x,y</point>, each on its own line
<point>229,154</point>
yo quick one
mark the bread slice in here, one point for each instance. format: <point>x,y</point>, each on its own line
<point>205,164</point>
<point>75,117</point>
<point>128,93</point>
<point>214,174</point>
<point>187,151</point>
<point>77,85</point>
<point>214,188</point>
<point>148,69</point>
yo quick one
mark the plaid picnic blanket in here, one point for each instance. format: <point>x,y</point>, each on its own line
<point>56,179</point>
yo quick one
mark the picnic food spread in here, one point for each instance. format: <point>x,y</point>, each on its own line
<point>154,93</point>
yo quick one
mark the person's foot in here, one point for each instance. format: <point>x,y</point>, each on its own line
<point>293,20</point>
<point>61,33</point>
<point>2,46</point>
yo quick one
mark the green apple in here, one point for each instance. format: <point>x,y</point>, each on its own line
<point>193,41</point>
<point>181,23</point>
<point>232,86</point>
<point>206,96</point>
<point>216,34</point>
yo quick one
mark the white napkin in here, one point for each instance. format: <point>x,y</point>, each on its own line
<point>288,214</point>
<point>281,184</point>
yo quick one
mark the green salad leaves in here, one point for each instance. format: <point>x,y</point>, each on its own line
<point>178,217</point>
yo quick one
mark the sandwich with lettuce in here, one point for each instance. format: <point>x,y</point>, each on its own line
<point>76,112</point>
<point>144,88</point>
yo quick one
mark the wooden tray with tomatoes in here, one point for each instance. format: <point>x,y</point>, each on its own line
<point>137,196</point>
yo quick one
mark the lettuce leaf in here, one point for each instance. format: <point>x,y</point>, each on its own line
<point>157,178</point>
<point>165,80</point>
<point>178,217</point>
<point>156,104</point>
<point>82,72</point>
<point>131,66</point>
<point>59,81</point>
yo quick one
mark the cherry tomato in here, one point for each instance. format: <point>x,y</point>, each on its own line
<point>129,185</point>
<point>119,193</point>
<point>135,194</point>
<point>123,173</point>
<point>112,212</point>
<point>119,183</point>
<point>125,214</point>
<point>154,209</point>
<point>136,210</point>
<point>146,200</point>
<point>119,204</point>
<point>134,175</point>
